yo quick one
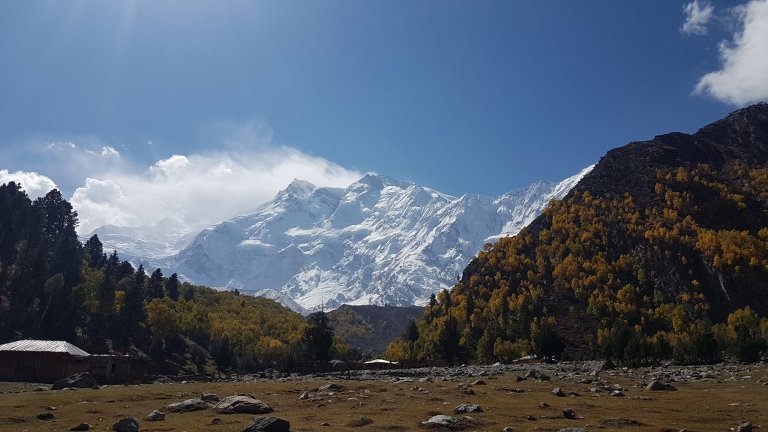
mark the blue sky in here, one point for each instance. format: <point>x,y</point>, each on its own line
<point>464,97</point>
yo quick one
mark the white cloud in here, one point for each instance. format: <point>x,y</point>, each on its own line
<point>35,184</point>
<point>743,77</point>
<point>199,189</point>
<point>696,17</point>
<point>109,152</point>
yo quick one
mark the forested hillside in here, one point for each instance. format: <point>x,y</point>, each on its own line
<point>54,287</point>
<point>660,252</point>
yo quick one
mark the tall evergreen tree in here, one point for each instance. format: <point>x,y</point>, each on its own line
<point>318,337</point>
<point>155,285</point>
<point>172,287</point>
<point>94,252</point>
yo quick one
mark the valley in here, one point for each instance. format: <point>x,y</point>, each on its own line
<point>707,399</point>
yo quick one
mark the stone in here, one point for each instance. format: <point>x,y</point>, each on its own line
<point>442,420</point>
<point>543,405</point>
<point>467,408</point>
<point>210,397</point>
<point>617,393</point>
<point>156,416</point>
<point>188,405</point>
<point>532,418</point>
<point>557,391</point>
<point>241,404</point>
<point>45,416</point>
<point>216,421</point>
<point>744,427</point>
<point>507,429</point>
<point>478,382</point>
<point>78,380</point>
<point>569,414</point>
<point>127,424</point>
<point>81,427</point>
<point>572,430</point>
<point>656,385</point>
<point>268,424</point>
<point>359,422</point>
<point>331,387</point>
<point>304,396</point>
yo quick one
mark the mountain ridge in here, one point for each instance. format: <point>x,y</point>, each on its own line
<point>378,241</point>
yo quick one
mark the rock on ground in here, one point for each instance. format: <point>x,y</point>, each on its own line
<point>128,424</point>
<point>156,416</point>
<point>268,424</point>
<point>82,427</point>
<point>188,405</point>
<point>467,408</point>
<point>241,404</point>
<point>660,386</point>
<point>210,397</point>
<point>331,387</point>
<point>78,380</point>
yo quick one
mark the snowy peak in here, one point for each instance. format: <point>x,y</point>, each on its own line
<point>379,241</point>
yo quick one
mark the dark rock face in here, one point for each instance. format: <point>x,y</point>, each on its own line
<point>268,424</point>
<point>78,380</point>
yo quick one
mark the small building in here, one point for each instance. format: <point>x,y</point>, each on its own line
<point>41,361</point>
<point>109,368</point>
<point>380,364</point>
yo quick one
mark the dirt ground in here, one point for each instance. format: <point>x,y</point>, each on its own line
<point>717,402</point>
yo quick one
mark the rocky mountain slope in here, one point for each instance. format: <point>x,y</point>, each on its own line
<point>371,328</point>
<point>379,241</point>
<point>659,241</point>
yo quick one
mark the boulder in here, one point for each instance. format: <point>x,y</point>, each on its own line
<point>268,424</point>
<point>572,430</point>
<point>557,391</point>
<point>127,424</point>
<point>331,387</point>
<point>467,408</point>
<point>188,405</point>
<point>78,380</point>
<point>744,427</point>
<point>660,386</point>
<point>156,416</point>
<point>569,414</point>
<point>45,416</point>
<point>82,427</point>
<point>241,404</point>
<point>360,421</point>
<point>209,397</point>
<point>442,420</point>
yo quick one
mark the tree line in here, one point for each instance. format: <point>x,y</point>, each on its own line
<point>53,287</point>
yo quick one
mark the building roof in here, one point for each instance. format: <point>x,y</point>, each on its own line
<point>44,346</point>
<point>380,361</point>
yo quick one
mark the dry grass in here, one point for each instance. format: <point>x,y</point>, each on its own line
<point>696,406</point>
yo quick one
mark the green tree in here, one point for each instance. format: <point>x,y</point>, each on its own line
<point>172,287</point>
<point>318,337</point>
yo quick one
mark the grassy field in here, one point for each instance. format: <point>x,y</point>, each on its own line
<point>705,405</point>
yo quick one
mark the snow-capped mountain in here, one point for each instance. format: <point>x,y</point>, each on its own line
<point>143,243</point>
<point>379,241</point>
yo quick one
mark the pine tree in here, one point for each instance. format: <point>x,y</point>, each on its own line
<point>318,337</point>
<point>172,287</point>
<point>155,285</point>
